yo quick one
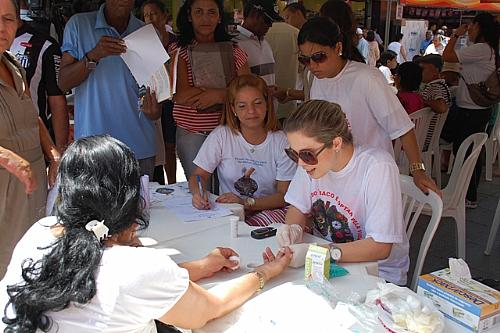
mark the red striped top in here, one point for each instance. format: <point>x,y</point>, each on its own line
<point>187,117</point>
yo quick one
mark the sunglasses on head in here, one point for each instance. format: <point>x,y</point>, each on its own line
<point>317,57</point>
<point>306,155</point>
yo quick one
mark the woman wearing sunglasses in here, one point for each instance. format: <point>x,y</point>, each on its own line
<point>373,110</point>
<point>351,192</point>
<point>248,151</point>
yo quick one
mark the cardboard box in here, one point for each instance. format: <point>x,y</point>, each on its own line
<point>465,301</point>
<point>317,263</point>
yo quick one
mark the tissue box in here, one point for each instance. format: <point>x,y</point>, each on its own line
<point>317,263</point>
<point>465,301</point>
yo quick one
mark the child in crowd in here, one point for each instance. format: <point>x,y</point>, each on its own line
<point>387,62</point>
<point>407,80</point>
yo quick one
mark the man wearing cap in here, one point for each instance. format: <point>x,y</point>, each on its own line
<point>259,16</point>
<point>362,46</point>
<point>435,92</point>
<point>426,42</point>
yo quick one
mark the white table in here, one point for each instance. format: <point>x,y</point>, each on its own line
<point>165,226</point>
<point>193,240</point>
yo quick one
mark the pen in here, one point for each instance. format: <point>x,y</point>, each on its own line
<point>198,179</point>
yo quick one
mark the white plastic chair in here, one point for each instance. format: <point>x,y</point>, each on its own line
<point>421,119</point>
<point>492,149</point>
<point>430,147</point>
<point>414,201</point>
<point>493,230</point>
<point>454,193</point>
<point>496,219</point>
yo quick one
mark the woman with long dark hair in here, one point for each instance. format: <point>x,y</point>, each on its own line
<point>81,270</point>
<point>373,111</point>
<point>341,13</point>
<point>478,61</point>
<point>201,22</point>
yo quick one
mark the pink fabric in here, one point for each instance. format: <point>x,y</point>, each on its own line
<point>411,101</point>
<point>267,217</point>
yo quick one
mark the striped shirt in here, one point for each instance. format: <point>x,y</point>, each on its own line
<point>433,91</point>
<point>187,117</point>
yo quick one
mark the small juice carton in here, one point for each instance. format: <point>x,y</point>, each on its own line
<point>317,264</point>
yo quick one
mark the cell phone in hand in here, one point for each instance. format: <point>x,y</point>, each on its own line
<point>263,232</point>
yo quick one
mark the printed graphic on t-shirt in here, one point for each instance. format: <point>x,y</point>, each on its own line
<point>333,219</point>
<point>245,185</point>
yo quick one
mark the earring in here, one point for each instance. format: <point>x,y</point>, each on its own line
<point>340,53</point>
<point>235,114</point>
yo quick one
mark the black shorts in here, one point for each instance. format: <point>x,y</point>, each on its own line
<point>167,122</point>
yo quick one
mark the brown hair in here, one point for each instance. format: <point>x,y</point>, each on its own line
<point>321,120</point>
<point>229,118</point>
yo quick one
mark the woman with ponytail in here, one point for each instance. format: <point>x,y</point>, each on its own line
<point>375,114</point>
<point>82,270</point>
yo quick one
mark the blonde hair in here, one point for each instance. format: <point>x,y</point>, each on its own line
<point>229,118</point>
<point>321,120</point>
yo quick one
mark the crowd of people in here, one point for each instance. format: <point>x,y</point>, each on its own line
<point>294,121</point>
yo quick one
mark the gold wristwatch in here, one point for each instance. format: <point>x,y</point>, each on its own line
<point>417,166</point>
<point>260,275</point>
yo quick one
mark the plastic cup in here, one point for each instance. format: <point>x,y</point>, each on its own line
<point>234,220</point>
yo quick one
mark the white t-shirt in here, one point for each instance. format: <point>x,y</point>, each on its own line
<point>374,112</point>
<point>396,48</point>
<point>362,200</point>
<point>478,62</point>
<point>387,74</point>
<point>432,49</point>
<point>134,286</point>
<point>232,155</point>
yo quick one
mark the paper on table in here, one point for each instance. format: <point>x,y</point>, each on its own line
<point>184,210</point>
<point>146,58</point>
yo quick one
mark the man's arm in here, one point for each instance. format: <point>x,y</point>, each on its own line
<point>55,97</point>
<point>60,120</point>
<point>74,71</point>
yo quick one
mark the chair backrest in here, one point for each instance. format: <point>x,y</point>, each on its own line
<point>463,168</point>
<point>434,130</point>
<point>414,200</point>
<point>421,119</point>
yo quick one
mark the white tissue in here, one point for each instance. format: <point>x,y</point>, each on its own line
<point>459,269</point>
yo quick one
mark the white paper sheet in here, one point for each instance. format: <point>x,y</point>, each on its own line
<point>146,58</point>
<point>183,208</point>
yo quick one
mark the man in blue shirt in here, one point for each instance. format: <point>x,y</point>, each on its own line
<point>426,42</point>
<point>106,93</point>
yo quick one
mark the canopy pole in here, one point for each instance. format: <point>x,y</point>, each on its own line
<point>387,23</point>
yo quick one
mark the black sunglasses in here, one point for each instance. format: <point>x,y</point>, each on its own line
<point>306,155</point>
<point>318,57</point>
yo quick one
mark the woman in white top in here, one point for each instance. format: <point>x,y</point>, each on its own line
<point>398,48</point>
<point>478,61</point>
<point>372,108</point>
<point>80,271</point>
<point>339,185</point>
<point>248,151</point>
<point>387,63</point>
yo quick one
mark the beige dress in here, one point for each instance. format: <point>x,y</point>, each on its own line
<point>19,133</point>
